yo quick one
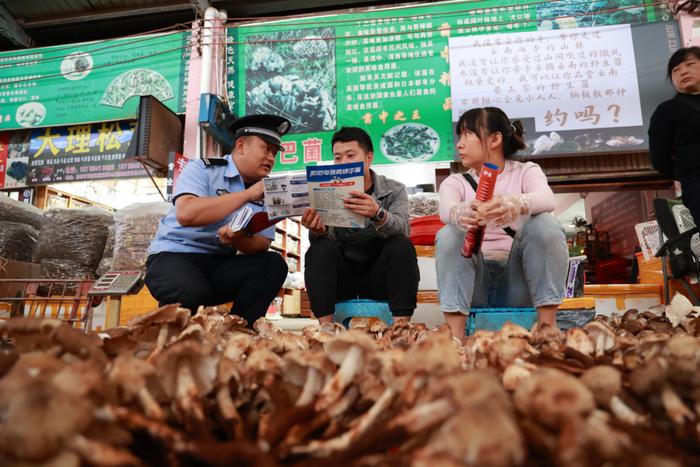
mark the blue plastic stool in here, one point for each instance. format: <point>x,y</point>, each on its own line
<point>361,308</point>
<point>492,319</point>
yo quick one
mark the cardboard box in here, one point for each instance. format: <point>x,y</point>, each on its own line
<point>10,269</point>
<point>16,270</point>
<point>291,305</point>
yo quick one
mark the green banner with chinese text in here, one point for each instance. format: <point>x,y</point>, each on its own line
<point>386,71</point>
<point>91,82</point>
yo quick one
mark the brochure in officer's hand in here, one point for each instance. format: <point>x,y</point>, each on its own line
<point>322,187</point>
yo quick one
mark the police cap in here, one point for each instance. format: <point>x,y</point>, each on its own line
<point>271,128</point>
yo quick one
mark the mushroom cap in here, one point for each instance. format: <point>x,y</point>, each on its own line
<point>200,358</point>
<point>597,327</point>
<point>263,361</point>
<point>604,382</point>
<point>29,334</point>
<point>297,363</point>
<point>513,330</point>
<point>436,355</point>
<point>377,326</point>
<point>83,346</point>
<point>40,418</point>
<point>237,346</point>
<point>631,313</point>
<point>551,397</point>
<point>481,435</point>
<point>338,347</point>
<point>8,357</point>
<point>359,322</point>
<point>649,377</point>
<point>264,327</point>
<point>577,339</point>
<point>505,351</point>
<point>514,375</point>
<point>168,314</point>
<point>469,389</point>
<point>130,374</point>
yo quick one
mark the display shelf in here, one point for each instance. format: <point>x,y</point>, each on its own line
<point>288,242</point>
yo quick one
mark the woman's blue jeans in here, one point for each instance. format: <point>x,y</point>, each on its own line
<point>533,275</point>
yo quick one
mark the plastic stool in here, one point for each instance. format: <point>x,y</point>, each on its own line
<point>361,308</point>
<point>492,319</point>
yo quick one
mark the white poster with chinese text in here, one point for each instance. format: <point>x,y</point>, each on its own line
<point>571,79</point>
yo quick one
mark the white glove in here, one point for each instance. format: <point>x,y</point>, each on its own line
<point>501,211</point>
<point>464,215</point>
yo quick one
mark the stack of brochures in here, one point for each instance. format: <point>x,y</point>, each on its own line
<point>241,218</point>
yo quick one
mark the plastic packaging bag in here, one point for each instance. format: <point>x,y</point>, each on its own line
<point>66,269</point>
<point>22,213</point>
<point>75,235</point>
<point>567,319</point>
<point>135,227</point>
<point>423,204</point>
<point>18,241</point>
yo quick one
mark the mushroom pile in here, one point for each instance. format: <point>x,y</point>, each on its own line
<point>175,389</point>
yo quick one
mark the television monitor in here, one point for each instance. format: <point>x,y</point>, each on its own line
<point>158,133</point>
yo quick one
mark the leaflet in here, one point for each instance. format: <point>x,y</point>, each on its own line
<point>322,187</point>
<point>286,195</point>
<point>328,185</point>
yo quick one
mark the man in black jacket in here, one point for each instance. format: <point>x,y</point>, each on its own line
<point>377,262</point>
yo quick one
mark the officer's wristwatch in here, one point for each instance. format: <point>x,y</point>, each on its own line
<point>379,216</point>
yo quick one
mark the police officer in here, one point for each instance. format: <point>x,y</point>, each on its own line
<point>193,258</point>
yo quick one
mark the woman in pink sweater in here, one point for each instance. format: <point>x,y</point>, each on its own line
<point>522,268</point>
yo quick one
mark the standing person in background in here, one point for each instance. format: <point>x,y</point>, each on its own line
<point>523,258</point>
<point>674,130</point>
<point>194,259</point>
<point>377,262</point>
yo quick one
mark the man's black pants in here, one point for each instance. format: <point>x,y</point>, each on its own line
<point>391,277</point>
<point>194,279</point>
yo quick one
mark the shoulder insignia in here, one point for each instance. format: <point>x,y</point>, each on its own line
<point>215,162</point>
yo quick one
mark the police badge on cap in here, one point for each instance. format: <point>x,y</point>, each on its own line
<point>271,128</point>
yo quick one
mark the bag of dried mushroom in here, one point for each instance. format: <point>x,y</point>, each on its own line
<point>108,253</point>
<point>17,241</point>
<point>135,227</point>
<point>73,240</point>
<point>22,213</point>
<point>423,204</point>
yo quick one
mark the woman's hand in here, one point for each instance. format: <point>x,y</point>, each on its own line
<point>312,221</point>
<point>501,211</point>
<point>465,215</point>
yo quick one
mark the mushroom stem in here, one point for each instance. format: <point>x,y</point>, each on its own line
<point>149,404</point>
<point>423,416</point>
<point>225,403</point>
<point>312,385</point>
<point>160,342</point>
<point>186,391</point>
<point>299,432</point>
<point>600,344</point>
<point>674,406</point>
<point>97,453</point>
<point>624,413</point>
<point>352,364</point>
<point>327,447</point>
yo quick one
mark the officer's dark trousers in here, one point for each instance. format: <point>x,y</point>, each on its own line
<point>194,279</point>
<point>391,277</point>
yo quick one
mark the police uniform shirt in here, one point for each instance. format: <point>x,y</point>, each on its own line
<point>201,180</point>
